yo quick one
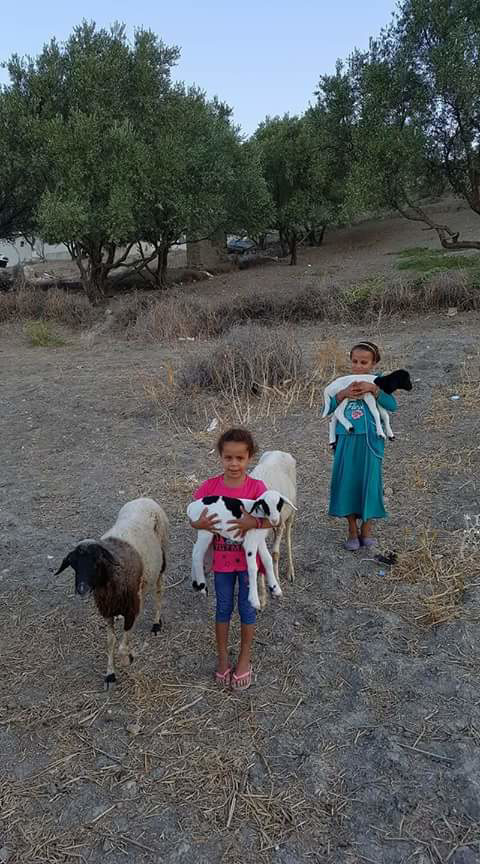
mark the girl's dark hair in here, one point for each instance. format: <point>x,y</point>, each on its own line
<point>239,436</point>
<point>367,346</point>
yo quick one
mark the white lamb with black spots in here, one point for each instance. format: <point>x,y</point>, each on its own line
<point>398,380</point>
<point>268,505</point>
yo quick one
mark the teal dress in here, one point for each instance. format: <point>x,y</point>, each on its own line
<point>357,481</point>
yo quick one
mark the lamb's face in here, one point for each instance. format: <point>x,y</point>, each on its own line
<point>89,560</point>
<point>270,505</point>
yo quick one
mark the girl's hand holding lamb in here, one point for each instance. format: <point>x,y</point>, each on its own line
<point>206,523</point>
<point>359,388</point>
<point>246,523</point>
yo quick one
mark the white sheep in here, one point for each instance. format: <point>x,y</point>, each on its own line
<point>278,470</point>
<point>128,559</point>
<point>398,380</point>
<point>268,505</point>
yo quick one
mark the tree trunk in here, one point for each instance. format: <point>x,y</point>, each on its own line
<point>92,274</point>
<point>448,238</point>
<point>292,247</point>
<point>283,242</point>
<point>162,264</point>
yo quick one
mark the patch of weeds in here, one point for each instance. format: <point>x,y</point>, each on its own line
<point>425,260</point>
<point>39,335</point>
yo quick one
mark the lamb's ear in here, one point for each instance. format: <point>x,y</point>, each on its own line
<point>290,504</point>
<point>67,562</point>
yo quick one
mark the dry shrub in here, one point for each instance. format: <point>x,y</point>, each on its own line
<point>331,361</point>
<point>431,294</point>
<point>176,316</point>
<point>74,310</point>
<point>256,372</point>
<point>251,361</point>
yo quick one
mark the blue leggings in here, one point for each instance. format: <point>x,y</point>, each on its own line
<point>225,590</point>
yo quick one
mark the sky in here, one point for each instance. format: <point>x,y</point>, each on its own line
<point>262,58</point>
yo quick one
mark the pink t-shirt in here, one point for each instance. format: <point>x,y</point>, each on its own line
<point>229,557</point>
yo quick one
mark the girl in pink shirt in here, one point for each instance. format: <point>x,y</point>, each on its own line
<point>236,449</point>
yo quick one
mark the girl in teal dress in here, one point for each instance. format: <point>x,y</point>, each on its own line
<point>356,491</point>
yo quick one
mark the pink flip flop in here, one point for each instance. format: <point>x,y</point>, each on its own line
<point>224,678</point>
<point>242,682</point>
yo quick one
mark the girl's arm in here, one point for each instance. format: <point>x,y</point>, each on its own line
<point>387,401</point>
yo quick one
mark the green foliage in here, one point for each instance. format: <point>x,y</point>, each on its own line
<point>124,156</point>
<point>39,335</point>
<point>295,176</point>
<point>424,260</point>
<point>417,94</point>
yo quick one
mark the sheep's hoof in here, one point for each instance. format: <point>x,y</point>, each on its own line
<point>109,679</point>
<point>202,588</point>
<point>391,437</point>
<point>156,627</point>
<point>276,591</point>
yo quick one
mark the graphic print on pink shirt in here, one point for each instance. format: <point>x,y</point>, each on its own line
<point>228,558</point>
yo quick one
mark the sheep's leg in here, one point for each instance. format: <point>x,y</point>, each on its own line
<point>159,586</point>
<point>267,562</point>
<point>326,399</point>
<point>372,404</point>
<point>339,413</point>
<point>332,430</point>
<point>111,640</point>
<point>250,544</point>
<point>386,422</point>
<point>277,540</point>
<point>262,590</point>
<point>204,538</point>
<point>124,650</point>
<point>291,567</point>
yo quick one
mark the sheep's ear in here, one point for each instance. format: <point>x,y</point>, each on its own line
<point>106,556</point>
<point>290,504</point>
<point>67,562</point>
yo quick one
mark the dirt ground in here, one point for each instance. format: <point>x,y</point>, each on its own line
<point>360,738</point>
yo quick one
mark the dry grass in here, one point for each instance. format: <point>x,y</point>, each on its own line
<point>155,745</point>
<point>441,573</point>
<point>176,316</point>
<point>148,317</point>
<point>57,305</point>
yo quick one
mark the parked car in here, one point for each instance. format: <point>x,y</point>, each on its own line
<point>3,260</point>
<point>240,245</point>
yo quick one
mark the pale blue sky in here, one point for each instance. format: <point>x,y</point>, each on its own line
<point>261,57</point>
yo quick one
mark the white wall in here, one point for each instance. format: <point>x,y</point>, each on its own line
<point>20,251</point>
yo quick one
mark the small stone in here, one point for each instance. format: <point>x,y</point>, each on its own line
<point>388,492</point>
<point>134,728</point>
<point>130,788</point>
<point>5,855</point>
<point>296,623</point>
